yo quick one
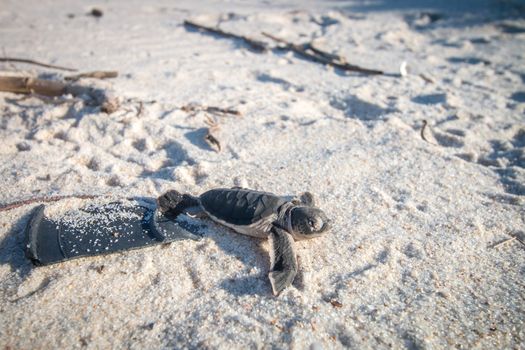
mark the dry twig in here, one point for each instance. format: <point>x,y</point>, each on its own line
<point>427,79</point>
<point>98,74</point>
<point>336,303</point>
<point>252,43</point>
<point>27,85</point>
<point>45,199</point>
<point>193,108</point>
<point>308,51</point>
<point>36,63</point>
<point>504,242</point>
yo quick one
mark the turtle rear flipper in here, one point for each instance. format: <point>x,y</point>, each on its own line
<point>98,230</point>
<point>282,259</point>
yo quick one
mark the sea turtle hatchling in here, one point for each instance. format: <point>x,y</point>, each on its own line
<point>257,214</point>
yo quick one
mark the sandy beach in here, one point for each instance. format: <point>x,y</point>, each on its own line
<point>420,169</point>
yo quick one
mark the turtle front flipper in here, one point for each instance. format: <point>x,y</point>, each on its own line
<point>282,259</point>
<point>173,203</point>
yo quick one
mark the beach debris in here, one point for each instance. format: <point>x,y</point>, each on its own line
<point>212,141</point>
<point>505,241</point>
<point>426,78</point>
<point>275,323</point>
<point>310,52</point>
<point>36,63</point>
<point>91,231</point>
<point>335,303</point>
<point>255,45</point>
<point>209,138</point>
<point>45,199</point>
<point>55,88</point>
<point>95,12</point>
<point>257,214</point>
<point>140,109</point>
<point>98,74</point>
<point>427,133</point>
<point>99,268</point>
<point>403,69</point>
<point>110,105</point>
<point>422,132</point>
<point>307,51</point>
<point>193,109</point>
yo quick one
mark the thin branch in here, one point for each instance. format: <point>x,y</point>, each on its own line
<point>192,108</point>
<point>222,111</point>
<point>45,199</point>
<point>36,63</point>
<point>503,242</point>
<point>327,55</point>
<point>309,52</point>
<point>427,79</point>
<point>519,240</point>
<point>96,74</point>
<point>252,43</point>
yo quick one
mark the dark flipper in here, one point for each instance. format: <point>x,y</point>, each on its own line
<point>98,230</point>
<point>173,203</point>
<point>283,260</point>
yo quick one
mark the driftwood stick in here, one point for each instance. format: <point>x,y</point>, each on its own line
<point>323,58</point>
<point>210,109</point>
<point>45,199</point>
<point>327,55</point>
<point>252,43</point>
<point>36,63</point>
<point>500,243</point>
<point>222,110</point>
<point>96,74</point>
<point>27,85</point>
<point>54,88</point>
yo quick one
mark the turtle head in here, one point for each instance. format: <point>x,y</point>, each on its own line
<point>308,222</point>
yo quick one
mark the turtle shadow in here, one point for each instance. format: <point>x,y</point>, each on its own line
<point>238,245</point>
<point>251,253</point>
<point>249,285</point>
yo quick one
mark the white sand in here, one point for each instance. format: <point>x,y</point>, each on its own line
<point>411,255</point>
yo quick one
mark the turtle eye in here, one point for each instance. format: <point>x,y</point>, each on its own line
<point>311,223</point>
